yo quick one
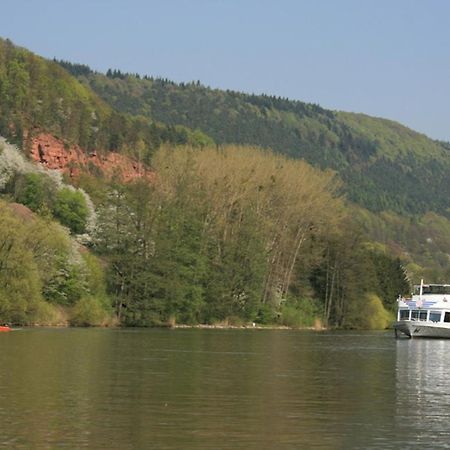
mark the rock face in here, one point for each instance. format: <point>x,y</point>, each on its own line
<point>54,154</point>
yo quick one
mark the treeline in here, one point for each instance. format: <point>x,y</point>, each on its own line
<point>232,235</point>
<point>397,174</point>
<point>384,165</point>
<point>422,242</point>
<point>239,235</point>
<point>39,95</point>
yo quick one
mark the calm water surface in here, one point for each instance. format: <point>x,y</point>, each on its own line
<point>222,389</point>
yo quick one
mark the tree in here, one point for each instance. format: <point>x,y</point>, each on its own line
<point>37,191</point>
<point>217,234</point>
<point>71,210</point>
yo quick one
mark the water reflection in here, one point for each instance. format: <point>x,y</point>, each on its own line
<point>194,389</point>
<point>423,392</point>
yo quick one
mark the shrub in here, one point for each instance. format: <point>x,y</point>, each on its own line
<point>37,191</point>
<point>50,315</point>
<point>370,314</point>
<point>266,315</point>
<point>71,210</point>
<point>88,312</point>
<point>291,317</point>
<point>298,313</point>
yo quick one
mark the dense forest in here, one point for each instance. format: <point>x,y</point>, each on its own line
<point>232,235</point>
<point>396,175</point>
<point>385,166</point>
<point>260,209</point>
<point>38,94</point>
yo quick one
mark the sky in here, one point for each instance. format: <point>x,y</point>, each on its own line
<point>385,58</point>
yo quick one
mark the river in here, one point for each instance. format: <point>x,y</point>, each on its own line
<point>222,389</point>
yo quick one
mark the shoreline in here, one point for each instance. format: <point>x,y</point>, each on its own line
<point>244,327</point>
<point>176,327</point>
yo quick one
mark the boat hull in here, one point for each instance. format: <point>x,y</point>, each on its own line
<point>4,328</point>
<point>423,329</point>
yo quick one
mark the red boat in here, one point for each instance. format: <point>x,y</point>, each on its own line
<point>4,328</point>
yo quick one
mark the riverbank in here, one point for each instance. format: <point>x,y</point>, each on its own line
<point>62,317</point>
<point>218,326</point>
<point>233,327</point>
<point>254,326</point>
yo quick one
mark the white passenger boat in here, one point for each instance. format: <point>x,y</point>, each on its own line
<point>426,313</point>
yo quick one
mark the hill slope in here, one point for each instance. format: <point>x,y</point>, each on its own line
<point>231,232</point>
<point>384,165</point>
<point>38,95</point>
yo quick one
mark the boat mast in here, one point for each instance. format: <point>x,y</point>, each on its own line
<point>419,303</point>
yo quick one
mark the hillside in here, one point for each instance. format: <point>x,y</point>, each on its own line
<point>38,96</point>
<point>227,233</point>
<point>46,276</point>
<point>384,165</point>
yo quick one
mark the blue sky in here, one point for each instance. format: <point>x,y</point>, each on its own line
<point>387,58</point>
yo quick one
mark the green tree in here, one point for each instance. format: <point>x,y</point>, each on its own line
<point>34,190</point>
<point>71,210</point>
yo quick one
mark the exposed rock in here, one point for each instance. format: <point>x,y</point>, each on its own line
<point>53,153</point>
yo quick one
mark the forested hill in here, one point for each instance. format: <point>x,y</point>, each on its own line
<point>228,234</point>
<point>38,95</point>
<point>384,165</point>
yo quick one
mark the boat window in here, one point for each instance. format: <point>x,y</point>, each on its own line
<point>447,316</point>
<point>419,314</point>
<point>404,314</point>
<point>433,289</point>
<point>435,316</point>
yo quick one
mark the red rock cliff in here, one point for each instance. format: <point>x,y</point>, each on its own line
<point>54,154</point>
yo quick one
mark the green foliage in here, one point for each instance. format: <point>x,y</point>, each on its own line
<point>213,237</point>
<point>391,279</point>
<point>40,95</point>
<point>291,317</point>
<point>89,311</point>
<point>349,271</point>
<point>95,276</point>
<point>300,313</point>
<point>50,315</point>
<point>20,280</point>
<point>41,270</point>
<point>20,284</point>
<point>234,284</point>
<point>266,314</point>
<point>67,285</point>
<point>37,191</point>
<point>95,187</point>
<point>222,233</point>
<point>385,166</point>
<point>422,243</point>
<point>71,210</point>
<point>369,314</point>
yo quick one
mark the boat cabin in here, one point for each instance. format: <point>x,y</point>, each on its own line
<point>426,313</point>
